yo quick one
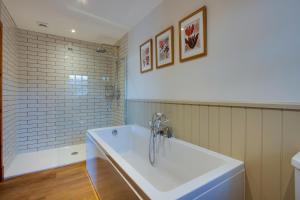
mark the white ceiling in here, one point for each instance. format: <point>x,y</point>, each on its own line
<point>102,21</point>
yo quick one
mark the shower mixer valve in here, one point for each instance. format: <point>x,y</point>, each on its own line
<point>158,127</point>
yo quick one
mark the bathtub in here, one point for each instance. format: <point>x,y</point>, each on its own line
<point>118,167</point>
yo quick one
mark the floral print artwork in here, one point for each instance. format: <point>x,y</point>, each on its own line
<point>192,40</point>
<point>193,35</point>
<point>146,57</point>
<point>164,49</point>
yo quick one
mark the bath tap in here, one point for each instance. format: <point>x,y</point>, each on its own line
<point>158,127</point>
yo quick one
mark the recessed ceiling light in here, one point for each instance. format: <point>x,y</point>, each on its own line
<point>73,31</point>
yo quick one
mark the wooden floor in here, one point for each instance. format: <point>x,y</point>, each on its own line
<point>66,183</point>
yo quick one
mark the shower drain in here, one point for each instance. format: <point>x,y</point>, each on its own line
<point>74,153</point>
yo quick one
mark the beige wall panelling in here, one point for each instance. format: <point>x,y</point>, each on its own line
<point>152,108</point>
<point>238,138</point>
<point>265,139</point>
<point>129,107</point>
<point>169,114</point>
<point>204,126</point>
<point>174,109</point>
<point>163,108</point>
<point>147,115</point>
<point>156,108</point>
<point>225,130</point>
<point>142,114</point>
<point>135,113</point>
<point>271,154</point>
<point>128,119</point>
<point>253,159</point>
<point>187,128</point>
<point>166,110</point>
<point>214,131</point>
<point>173,118</point>
<point>131,111</point>
<point>195,139</point>
<point>179,122</point>
<point>291,145</point>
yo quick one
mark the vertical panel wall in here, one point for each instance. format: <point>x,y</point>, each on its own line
<point>264,138</point>
<point>10,83</point>
<point>62,90</point>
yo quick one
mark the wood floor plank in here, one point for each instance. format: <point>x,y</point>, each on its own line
<point>68,183</point>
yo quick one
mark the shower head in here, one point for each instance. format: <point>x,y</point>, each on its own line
<point>101,50</point>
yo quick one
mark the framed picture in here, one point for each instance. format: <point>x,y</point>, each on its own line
<point>164,48</point>
<point>193,35</point>
<point>146,57</point>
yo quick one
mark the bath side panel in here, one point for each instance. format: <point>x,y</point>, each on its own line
<point>106,180</point>
<point>231,189</point>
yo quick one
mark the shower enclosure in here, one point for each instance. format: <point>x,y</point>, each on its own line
<point>64,87</point>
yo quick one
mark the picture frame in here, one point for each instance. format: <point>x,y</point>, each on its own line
<point>146,56</point>
<point>164,48</point>
<point>193,35</point>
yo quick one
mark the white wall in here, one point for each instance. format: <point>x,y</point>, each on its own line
<point>253,53</point>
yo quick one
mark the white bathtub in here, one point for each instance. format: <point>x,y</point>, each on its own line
<point>182,171</point>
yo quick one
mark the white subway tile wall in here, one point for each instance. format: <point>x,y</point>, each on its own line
<point>61,90</point>
<point>9,86</point>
